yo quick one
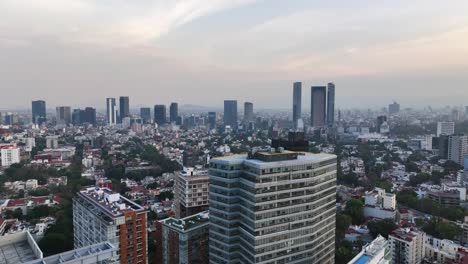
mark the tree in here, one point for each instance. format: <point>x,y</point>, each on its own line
<point>355,209</point>
<point>166,195</point>
<point>53,243</point>
<point>383,227</point>
<point>39,192</point>
<point>442,230</point>
<point>343,221</point>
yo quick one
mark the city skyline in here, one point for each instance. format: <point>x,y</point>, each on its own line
<point>371,50</point>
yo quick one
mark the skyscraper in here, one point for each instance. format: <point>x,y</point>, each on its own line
<point>297,102</point>
<point>212,119</point>
<point>393,108</point>
<point>101,215</point>
<point>160,114</point>
<point>145,114</point>
<point>331,104</point>
<point>111,111</point>
<point>191,191</point>
<point>230,113</point>
<point>89,115</point>
<point>63,115</point>
<point>39,112</point>
<point>273,207</point>
<point>457,148</point>
<point>173,112</point>
<point>124,107</point>
<point>248,112</point>
<point>318,106</point>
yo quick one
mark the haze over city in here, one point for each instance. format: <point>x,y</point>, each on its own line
<point>78,52</point>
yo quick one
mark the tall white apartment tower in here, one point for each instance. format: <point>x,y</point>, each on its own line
<point>445,128</point>
<point>272,206</point>
<point>111,111</point>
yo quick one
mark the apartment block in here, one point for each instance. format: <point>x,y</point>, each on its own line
<point>191,191</point>
<point>101,215</point>
<point>273,206</point>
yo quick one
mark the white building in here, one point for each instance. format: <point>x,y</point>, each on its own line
<point>376,252</point>
<point>439,250</point>
<point>10,156</point>
<point>406,246</point>
<point>379,204</point>
<point>445,128</point>
<point>31,184</point>
<point>457,148</point>
<point>52,142</point>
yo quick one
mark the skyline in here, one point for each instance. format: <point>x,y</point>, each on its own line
<point>245,50</point>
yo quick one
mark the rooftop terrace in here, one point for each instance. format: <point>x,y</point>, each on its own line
<point>188,223</point>
<point>110,202</point>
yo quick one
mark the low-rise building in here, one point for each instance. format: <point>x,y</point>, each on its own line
<point>379,204</point>
<point>376,252</point>
<point>406,246</point>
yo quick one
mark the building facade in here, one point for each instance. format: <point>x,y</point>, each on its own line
<point>457,148</point>
<point>297,102</point>
<point>318,106</point>
<point>160,117</point>
<point>10,155</point>
<point>145,114</point>
<point>173,112</point>
<point>39,115</point>
<point>376,252</point>
<point>124,102</point>
<point>191,191</point>
<point>111,112</point>
<point>248,112</point>
<point>101,215</point>
<point>212,120</point>
<point>331,104</point>
<point>406,246</point>
<point>273,207</point>
<point>230,113</point>
<point>445,128</point>
<point>63,115</point>
<point>183,240</point>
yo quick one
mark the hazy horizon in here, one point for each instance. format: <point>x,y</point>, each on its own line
<point>201,52</point>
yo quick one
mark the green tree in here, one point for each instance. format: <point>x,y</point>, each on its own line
<point>355,209</point>
<point>383,227</point>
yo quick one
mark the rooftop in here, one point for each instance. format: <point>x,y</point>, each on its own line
<point>18,248</point>
<point>110,202</point>
<point>189,171</point>
<point>188,223</point>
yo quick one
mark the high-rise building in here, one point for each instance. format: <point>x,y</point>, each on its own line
<point>457,148</point>
<point>273,207</point>
<point>39,115</point>
<point>111,111</point>
<point>380,121</point>
<point>89,115</point>
<point>212,119</point>
<point>331,104</point>
<point>406,246</point>
<point>230,113</point>
<point>160,117</point>
<point>445,128</point>
<point>191,192</point>
<point>52,142</point>
<point>124,107</point>
<point>183,240</point>
<point>393,108</point>
<point>1,118</point>
<point>318,106</point>
<point>63,115</point>
<point>145,114</point>
<point>173,112</point>
<point>77,117</point>
<point>102,215</point>
<point>9,156</point>
<point>297,102</point>
<point>248,112</point>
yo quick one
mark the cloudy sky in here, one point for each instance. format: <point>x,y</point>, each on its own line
<point>78,52</point>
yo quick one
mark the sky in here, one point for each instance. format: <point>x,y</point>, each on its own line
<point>200,52</point>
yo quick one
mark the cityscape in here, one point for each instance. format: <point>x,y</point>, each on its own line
<point>233,132</point>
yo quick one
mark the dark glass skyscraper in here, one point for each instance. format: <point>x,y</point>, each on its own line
<point>39,112</point>
<point>212,119</point>
<point>230,113</point>
<point>124,107</point>
<point>248,112</point>
<point>90,115</point>
<point>331,104</point>
<point>173,112</point>
<point>63,115</point>
<point>297,102</point>
<point>318,106</point>
<point>160,114</point>
<point>145,114</point>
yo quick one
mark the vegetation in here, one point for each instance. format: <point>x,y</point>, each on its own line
<point>355,209</point>
<point>383,227</point>
<point>442,230</point>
